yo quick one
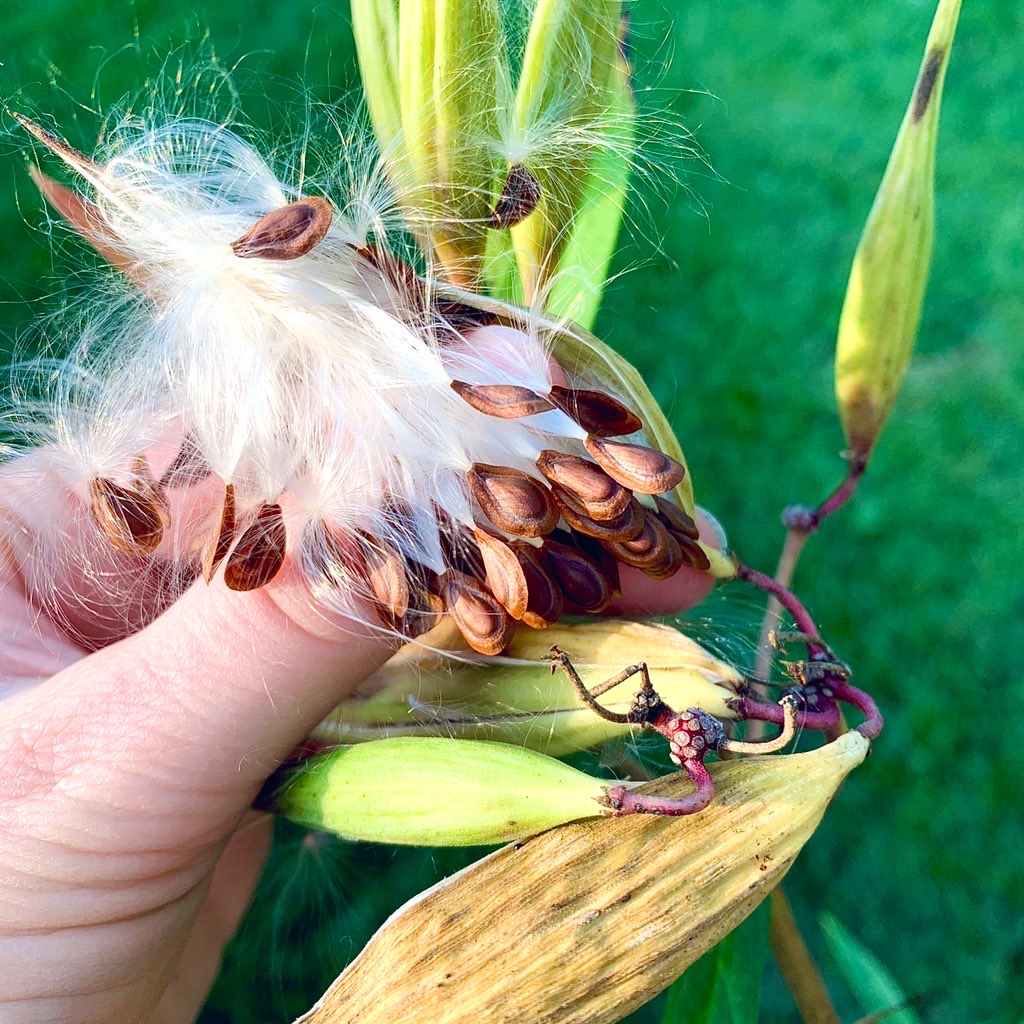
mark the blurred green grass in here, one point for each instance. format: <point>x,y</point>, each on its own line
<point>730,311</point>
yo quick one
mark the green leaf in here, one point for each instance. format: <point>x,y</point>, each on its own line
<point>583,267</point>
<point>724,985</point>
<point>873,986</point>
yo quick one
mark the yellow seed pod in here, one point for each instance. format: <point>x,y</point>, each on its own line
<point>518,699</point>
<point>601,914</point>
<point>890,269</point>
<point>434,792</point>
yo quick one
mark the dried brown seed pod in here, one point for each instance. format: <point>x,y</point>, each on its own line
<point>512,500</point>
<point>583,581</point>
<point>258,555</point>
<point>486,626</point>
<point>596,493</point>
<point>519,197</point>
<point>503,573</point>
<point>222,533</point>
<point>544,603</point>
<point>624,526</point>
<point>287,233</point>
<point>596,412</point>
<point>635,466</point>
<point>675,518</point>
<point>506,401</point>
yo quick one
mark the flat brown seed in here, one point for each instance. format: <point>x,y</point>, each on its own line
<point>544,604</point>
<point>385,573</point>
<point>188,467</point>
<point>512,500</point>
<point>486,626</point>
<point>506,401</point>
<point>503,573</point>
<point>584,583</point>
<point>258,555</point>
<point>649,549</point>
<point>519,197</point>
<point>693,555</point>
<point>635,466</point>
<point>425,611</point>
<point>671,562</point>
<point>595,492</point>
<point>221,535</point>
<point>675,518</point>
<point>624,526</point>
<point>596,412</point>
<point>132,519</point>
<point>287,233</point>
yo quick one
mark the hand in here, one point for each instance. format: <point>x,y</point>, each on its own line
<point>133,742</point>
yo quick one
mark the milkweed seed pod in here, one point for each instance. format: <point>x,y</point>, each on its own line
<point>421,692</point>
<point>274,382</point>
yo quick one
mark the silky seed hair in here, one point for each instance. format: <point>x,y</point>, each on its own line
<point>269,369</point>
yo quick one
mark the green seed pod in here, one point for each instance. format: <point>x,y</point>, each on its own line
<point>602,914</point>
<point>890,269</point>
<point>520,701</point>
<point>434,792</point>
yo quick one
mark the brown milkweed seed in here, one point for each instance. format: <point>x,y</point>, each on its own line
<point>188,467</point>
<point>544,604</point>
<point>221,535</point>
<point>596,412</point>
<point>635,466</point>
<point>675,518</point>
<point>651,548</point>
<point>259,554</point>
<point>385,573</point>
<point>596,493</point>
<point>624,526</point>
<point>582,580</point>
<point>506,401</point>
<point>513,501</point>
<point>503,573</point>
<point>133,518</point>
<point>287,233</point>
<point>693,556</point>
<point>519,197</point>
<point>486,626</point>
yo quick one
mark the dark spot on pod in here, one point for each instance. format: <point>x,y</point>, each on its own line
<point>692,553</point>
<point>512,500</point>
<point>519,197</point>
<point>544,603</point>
<point>675,518</point>
<point>624,526</point>
<point>503,573</point>
<point>506,401</point>
<point>288,233</point>
<point>258,555</point>
<point>486,626</point>
<point>582,579</point>
<point>926,82</point>
<point>596,494</point>
<point>596,412</point>
<point>649,549</point>
<point>222,533</point>
<point>188,467</point>
<point>133,518</point>
<point>635,466</point>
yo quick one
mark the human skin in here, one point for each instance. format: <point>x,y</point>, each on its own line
<point>132,746</point>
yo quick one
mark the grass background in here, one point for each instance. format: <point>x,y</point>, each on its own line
<point>730,313</point>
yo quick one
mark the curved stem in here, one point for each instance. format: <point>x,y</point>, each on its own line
<point>785,597</point>
<point>791,549</point>
<point>863,702</point>
<point>789,728</point>
<point>750,709</point>
<point>627,801</point>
